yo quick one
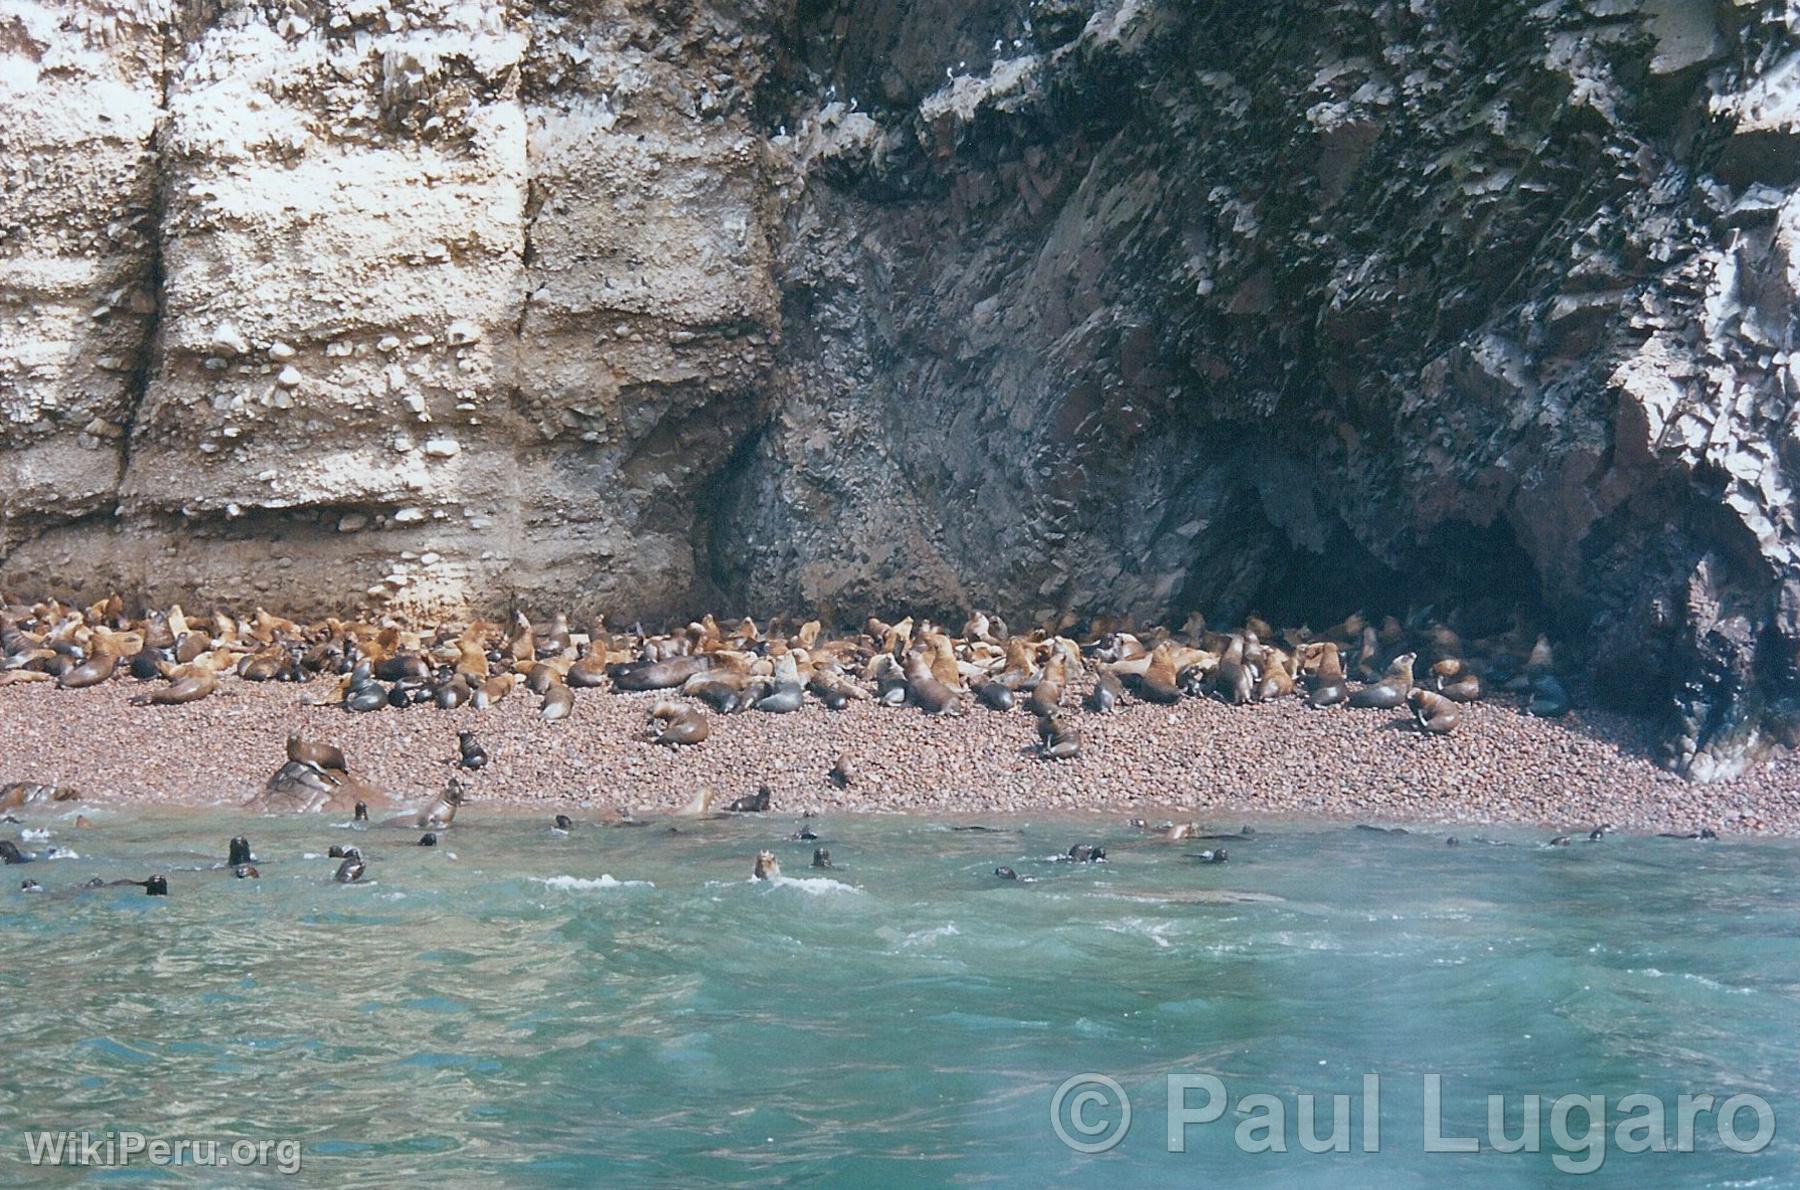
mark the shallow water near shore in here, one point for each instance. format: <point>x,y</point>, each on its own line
<point>626,1006</point>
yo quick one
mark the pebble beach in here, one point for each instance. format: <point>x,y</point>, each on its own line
<point>1198,759</point>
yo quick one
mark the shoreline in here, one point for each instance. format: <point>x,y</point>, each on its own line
<point>1198,759</point>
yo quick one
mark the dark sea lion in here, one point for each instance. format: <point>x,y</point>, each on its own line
<point>474,756</point>
<point>1057,738</point>
<point>821,858</point>
<point>1215,856</point>
<point>361,813</point>
<point>766,866</point>
<point>1453,841</point>
<point>155,886</point>
<point>1006,873</point>
<point>805,834</point>
<point>1391,690</point>
<point>672,724</point>
<point>1244,832</point>
<point>351,870</point>
<point>428,839</point>
<point>784,700</point>
<point>752,803</point>
<point>404,667</point>
<point>10,853</point>
<point>994,695</point>
<point>1705,832</point>
<point>1560,841</point>
<point>559,703</point>
<point>369,696</point>
<point>240,852</point>
<point>658,675</point>
<point>1107,693</point>
<point>30,886</point>
<point>146,663</point>
<point>1549,698</point>
<point>1433,713</point>
<point>1087,853</point>
<point>563,823</point>
<point>335,851</point>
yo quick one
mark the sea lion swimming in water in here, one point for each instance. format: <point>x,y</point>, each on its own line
<point>672,724</point>
<point>767,868</point>
<point>1705,832</point>
<point>239,849</point>
<point>428,839</point>
<point>1391,690</point>
<point>1214,856</point>
<point>821,858</point>
<point>351,870</point>
<point>10,853</point>
<point>1086,853</point>
<point>1006,873</point>
<point>562,824</point>
<point>1434,713</point>
<point>246,872</point>
<point>437,815</point>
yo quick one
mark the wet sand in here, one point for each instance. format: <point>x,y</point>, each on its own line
<point>1199,758</point>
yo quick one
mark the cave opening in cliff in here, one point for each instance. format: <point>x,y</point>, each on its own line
<point>1475,577</point>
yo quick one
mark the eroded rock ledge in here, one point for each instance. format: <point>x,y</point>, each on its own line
<point>1063,306</point>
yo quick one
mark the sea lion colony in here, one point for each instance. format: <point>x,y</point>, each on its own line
<point>1423,667</point>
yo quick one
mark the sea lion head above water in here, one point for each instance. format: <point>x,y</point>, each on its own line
<point>239,852</point>
<point>821,858</point>
<point>767,868</point>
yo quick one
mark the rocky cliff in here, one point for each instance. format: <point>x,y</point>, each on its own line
<point>1059,306</point>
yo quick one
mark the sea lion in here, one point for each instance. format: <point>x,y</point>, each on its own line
<point>1160,681</point>
<point>246,872</point>
<point>192,687</point>
<point>155,886</point>
<point>821,858</point>
<point>842,772</point>
<point>994,695</point>
<point>1325,684</point>
<point>473,756</point>
<point>438,814</point>
<point>239,849</point>
<point>931,695</point>
<point>1434,714</point>
<point>324,757</point>
<point>1107,693</point>
<point>563,823</point>
<point>1213,856</point>
<point>805,834</point>
<point>10,853</point>
<point>1391,690</point>
<point>18,794</point>
<point>752,803</point>
<point>30,886</point>
<point>428,839</point>
<point>1087,853</point>
<point>1006,873</point>
<point>1549,698</point>
<point>361,813</point>
<point>1705,832</point>
<point>351,870</point>
<point>1057,738</point>
<point>672,724</point>
<point>1233,683</point>
<point>96,669</point>
<point>1456,681</point>
<point>559,703</point>
<point>766,866</point>
<point>784,699</point>
<point>658,675</point>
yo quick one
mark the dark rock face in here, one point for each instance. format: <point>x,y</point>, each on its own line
<point>1056,307</point>
<point>1162,306</point>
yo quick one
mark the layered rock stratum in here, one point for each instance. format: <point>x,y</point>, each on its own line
<point>1060,307</point>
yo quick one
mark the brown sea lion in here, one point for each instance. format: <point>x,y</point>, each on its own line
<point>767,868</point>
<point>1057,738</point>
<point>1392,689</point>
<point>1160,682</point>
<point>559,703</point>
<point>671,723</point>
<point>925,689</point>
<point>193,686</point>
<point>1433,712</point>
<point>437,814</point>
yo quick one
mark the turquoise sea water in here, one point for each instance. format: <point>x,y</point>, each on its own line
<point>626,1007</point>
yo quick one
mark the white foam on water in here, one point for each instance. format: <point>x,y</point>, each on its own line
<point>34,835</point>
<point>1703,981</point>
<point>1156,931</point>
<point>919,938</point>
<point>60,853</point>
<point>582,884</point>
<point>812,885</point>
